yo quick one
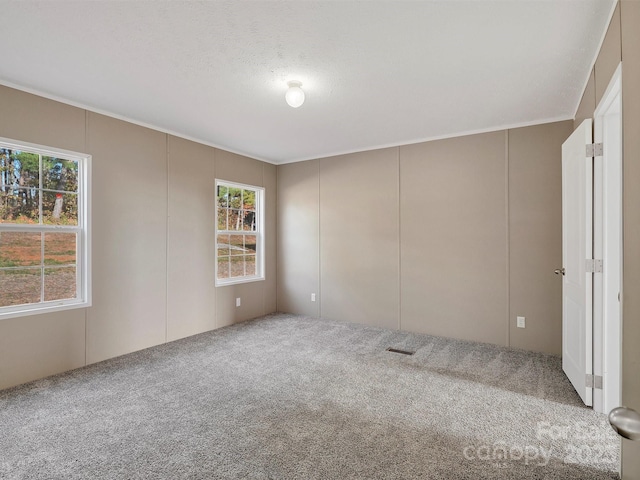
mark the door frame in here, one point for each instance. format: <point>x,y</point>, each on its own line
<point>607,238</point>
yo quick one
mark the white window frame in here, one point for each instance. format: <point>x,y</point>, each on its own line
<point>259,233</point>
<point>82,231</point>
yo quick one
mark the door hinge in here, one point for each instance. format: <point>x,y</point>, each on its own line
<point>594,381</point>
<point>594,150</point>
<point>593,266</point>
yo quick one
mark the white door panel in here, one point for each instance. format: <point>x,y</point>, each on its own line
<point>577,204</point>
<point>607,244</point>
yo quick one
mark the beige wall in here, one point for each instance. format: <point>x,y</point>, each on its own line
<point>588,103</point>
<point>535,235</point>
<point>359,245</point>
<point>190,287</point>
<point>606,63</point>
<point>299,237</point>
<point>630,19</point>
<point>152,240</point>
<point>609,56</point>
<point>461,234</point>
<point>42,345</point>
<point>129,238</point>
<point>453,237</point>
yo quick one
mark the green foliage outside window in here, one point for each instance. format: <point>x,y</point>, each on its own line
<point>30,182</point>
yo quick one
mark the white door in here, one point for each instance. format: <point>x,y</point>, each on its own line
<point>577,205</point>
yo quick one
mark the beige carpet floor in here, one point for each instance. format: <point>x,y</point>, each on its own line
<point>290,397</point>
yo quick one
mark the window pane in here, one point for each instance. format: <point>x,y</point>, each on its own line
<point>59,174</point>
<point>249,220</point>
<point>236,244</point>
<point>59,208</point>
<point>20,287</point>
<point>223,267</point>
<point>59,248</point>
<point>222,218</point>
<point>237,266</point>
<point>236,250</point>
<point>250,242</point>
<point>250,264</point>
<point>235,198</point>
<point>19,169</point>
<point>222,196</point>
<point>59,283</point>
<point>249,199</point>
<point>19,205</point>
<point>235,220</point>
<point>20,249</point>
<point>223,244</point>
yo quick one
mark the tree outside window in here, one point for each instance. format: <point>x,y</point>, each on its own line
<point>239,234</point>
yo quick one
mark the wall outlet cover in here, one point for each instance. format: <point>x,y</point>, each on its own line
<point>238,302</point>
<point>520,322</point>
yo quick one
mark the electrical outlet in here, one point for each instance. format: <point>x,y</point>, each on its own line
<point>520,322</point>
<point>238,302</point>
<point>313,297</point>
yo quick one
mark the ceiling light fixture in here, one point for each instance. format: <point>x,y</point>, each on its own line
<point>294,95</point>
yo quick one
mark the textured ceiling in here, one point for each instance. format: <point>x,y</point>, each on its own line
<point>375,73</point>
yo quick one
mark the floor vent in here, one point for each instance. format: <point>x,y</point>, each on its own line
<point>403,352</point>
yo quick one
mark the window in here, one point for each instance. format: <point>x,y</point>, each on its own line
<point>44,241</point>
<point>239,233</point>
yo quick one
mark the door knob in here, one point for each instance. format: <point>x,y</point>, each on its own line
<point>559,271</point>
<point>625,421</point>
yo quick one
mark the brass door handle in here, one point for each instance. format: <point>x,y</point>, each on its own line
<point>559,271</point>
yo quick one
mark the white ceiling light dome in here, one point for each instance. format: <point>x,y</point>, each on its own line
<point>295,94</point>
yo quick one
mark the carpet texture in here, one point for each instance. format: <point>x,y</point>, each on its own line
<point>290,397</point>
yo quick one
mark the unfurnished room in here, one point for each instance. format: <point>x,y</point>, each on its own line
<point>289,239</point>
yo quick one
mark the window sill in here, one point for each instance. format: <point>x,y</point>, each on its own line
<point>49,307</point>
<point>236,281</point>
